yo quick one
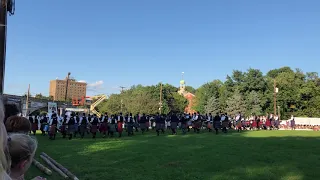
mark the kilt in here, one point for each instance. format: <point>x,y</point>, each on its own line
<point>254,124</point>
<point>217,124</point>
<point>34,127</point>
<point>103,127</point>
<point>53,130</point>
<point>143,126</point>
<point>94,129</point>
<point>160,126</point>
<point>197,124</point>
<point>184,126</point>
<point>225,124</point>
<point>174,125</point>
<point>120,126</point>
<point>71,128</point>
<point>239,124</point>
<point>83,128</point>
<point>209,125</point>
<point>112,127</point>
<point>130,127</point>
<point>63,129</point>
<point>268,123</point>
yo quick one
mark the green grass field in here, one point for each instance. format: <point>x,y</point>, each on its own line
<point>278,155</point>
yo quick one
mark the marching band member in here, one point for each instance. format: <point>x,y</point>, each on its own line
<point>217,122</point>
<point>71,125</point>
<point>130,124</point>
<point>34,124</point>
<point>238,121</point>
<point>83,125</point>
<point>225,123</point>
<point>103,125</point>
<point>143,120</point>
<point>120,124</point>
<point>44,124</point>
<point>174,123</point>
<point>94,125</point>
<point>209,122</point>
<point>112,125</point>
<point>53,126</point>
<point>184,124</point>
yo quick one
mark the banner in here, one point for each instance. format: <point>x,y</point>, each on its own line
<point>52,106</point>
<point>37,105</point>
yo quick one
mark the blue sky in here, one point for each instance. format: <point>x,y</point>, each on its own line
<point>127,42</point>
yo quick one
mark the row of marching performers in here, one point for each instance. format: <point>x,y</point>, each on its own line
<point>72,124</point>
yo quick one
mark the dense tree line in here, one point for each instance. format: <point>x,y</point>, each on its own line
<point>145,99</point>
<point>249,92</point>
<point>252,92</point>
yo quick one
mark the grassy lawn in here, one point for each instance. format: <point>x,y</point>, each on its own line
<point>279,155</point>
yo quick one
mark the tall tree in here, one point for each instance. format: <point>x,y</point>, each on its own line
<point>253,103</point>
<point>213,106</point>
<point>236,104</point>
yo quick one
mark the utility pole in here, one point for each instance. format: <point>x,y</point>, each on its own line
<point>275,91</point>
<point>160,103</point>
<point>67,84</point>
<point>5,6</point>
<point>122,88</point>
<point>27,101</point>
<point>279,115</point>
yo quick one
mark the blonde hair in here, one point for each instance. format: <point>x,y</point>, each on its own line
<point>22,147</point>
<point>5,162</point>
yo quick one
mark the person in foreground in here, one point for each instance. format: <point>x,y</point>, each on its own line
<point>22,149</point>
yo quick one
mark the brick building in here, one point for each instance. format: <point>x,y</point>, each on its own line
<point>75,89</point>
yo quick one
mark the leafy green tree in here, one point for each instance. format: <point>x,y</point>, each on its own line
<point>213,106</point>
<point>253,103</point>
<point>236,104</point>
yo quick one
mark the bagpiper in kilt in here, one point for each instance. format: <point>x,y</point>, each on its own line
<point>174,123</point>
<point>71,125</point>
<point>76,125</point>
<point>44,125</point>
<point>130,124</point>
<point>103,125</point>
<point>34,124</point>
<point>160,124</point>
<point>63,127</point>
<point>120,124</point>
<point>184,124</point>
<point>143,120</point>
<point>112,125</point>
<point>225,123</point>
<point>53,127</point>
<point>94,125</point>
<point>209,122</point>
<point>217,123</point>
<point>83,125</point>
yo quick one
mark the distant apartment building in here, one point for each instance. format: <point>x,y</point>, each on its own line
<point>75,89</point>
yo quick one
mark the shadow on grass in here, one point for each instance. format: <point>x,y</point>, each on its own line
<point>284,155</point>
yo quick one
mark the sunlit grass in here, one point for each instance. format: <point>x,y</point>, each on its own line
<point>284,155</point>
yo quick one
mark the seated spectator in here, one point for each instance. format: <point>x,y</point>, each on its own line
<point>18,124</point>
<point>10,110</point>
<point>22,149</point>
<point>4,155</point>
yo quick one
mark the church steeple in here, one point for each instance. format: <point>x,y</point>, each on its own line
<point>182,89</point>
